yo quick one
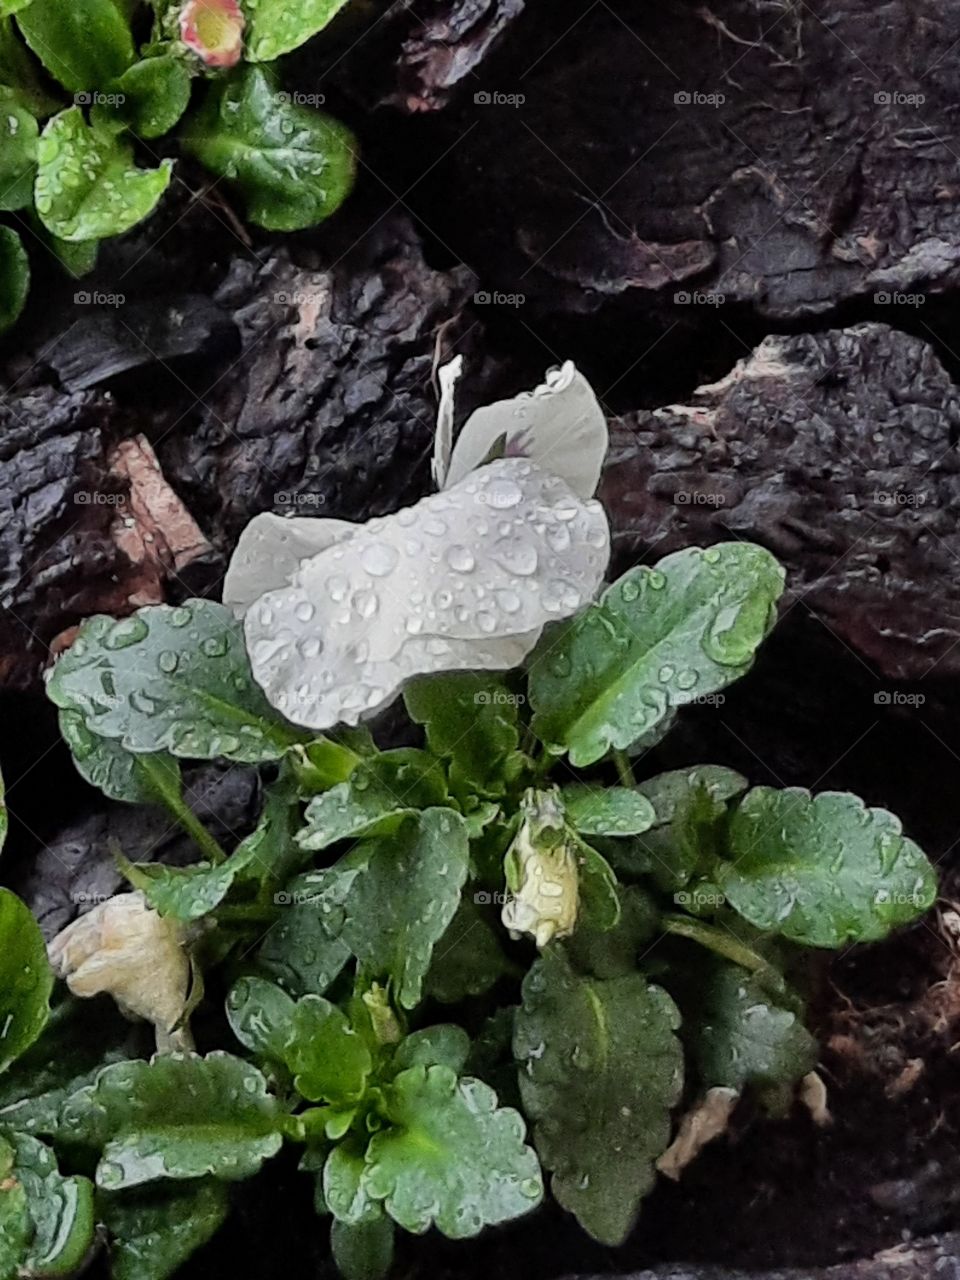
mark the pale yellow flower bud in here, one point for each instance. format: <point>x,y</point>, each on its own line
<point>542,872</point>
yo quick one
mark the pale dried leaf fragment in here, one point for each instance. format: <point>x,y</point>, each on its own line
<point>706,1121</point>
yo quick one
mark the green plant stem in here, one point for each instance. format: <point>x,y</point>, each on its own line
<point>165,785</point>
<point>724,944</point>
<point>624,769</point>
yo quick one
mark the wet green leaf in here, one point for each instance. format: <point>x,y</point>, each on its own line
<point>118,773</point>
<point>402,901</point>
<point>60,1211</point>
<point>156,1228</point>
<point>14,277</point>
<point>469,958</point>
<point>657,639</point>
<point>451,1157</point>
<point>363,1250</point>
<point>154,95</point>
<point>85,44</point>
<point>740,1036</point>
<point>822,870</point>
<point>470,720</point>
<point>294,166</point>
<point>600,1070</point>
<point>606,811</point>
<point>276,27</point>
<point>170,679</point>
<point>176,1117</point>
<point>26,979</point>
<point>18,151</point>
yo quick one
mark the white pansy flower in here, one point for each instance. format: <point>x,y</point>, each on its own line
<point>126,950</point>
<point>338,616</point>
<point>542,872</point>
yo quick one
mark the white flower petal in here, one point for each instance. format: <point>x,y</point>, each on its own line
<point>560,427</point>
<point>269,553</point>
<point>448,375</point>
<point>464,580</point>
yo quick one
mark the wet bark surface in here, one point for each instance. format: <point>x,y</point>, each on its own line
<point>740,219</point>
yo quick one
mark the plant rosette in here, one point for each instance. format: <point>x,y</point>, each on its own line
<point>627,951</point>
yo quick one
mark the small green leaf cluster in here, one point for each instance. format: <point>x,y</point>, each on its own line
<point>82,108</point>
<point>372,941</point>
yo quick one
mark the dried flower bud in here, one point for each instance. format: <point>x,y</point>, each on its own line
<point>125,949</point>
<point>542,872</point>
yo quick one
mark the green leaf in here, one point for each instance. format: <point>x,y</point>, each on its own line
<point>188,893</point>
<point>600,1070</point>
<point>451,1157</point>
<point>80,1039</point>
<point>276,27</point>
<point>85,44</point>
<point>342,1183</point>
<point>330,1061</point>
<point>612,953</point>
<point>363,1250</point>
<point>88,185</point>
<point>444,1045</point>
<point>294,166</point>
<point>657,639</point>
<point>18,152</point>
<point>822,870</point>
<point>740,1036</point>
<point>170,679</point>
<point>599,900</point>
<point>16,1227</point>
<point>607,811</point>
<point>471,720</point>
<point>154,95</point>
<point>14,277</point>
<point>21,71</point>
<point>12,6</point>
<point>676,849</point>
<point>155,1229</point>
<point>60,1211</point>
<point>304,950</point>
<point>26,979</point>
<point>351,810</point>
<point>176,1117</point>
<point>261,1017</point>
<point>76,259</point>
<point>321,764</point>
<point>468,959</point>
<point>118,773</point>
<point>403,899</point>
<point>668,792</point>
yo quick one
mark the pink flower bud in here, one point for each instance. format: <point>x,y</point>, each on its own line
<point>213,29</point>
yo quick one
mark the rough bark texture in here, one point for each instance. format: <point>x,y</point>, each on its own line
<point>838,452</point>
<point>321,402</point>
<point>786,156</point>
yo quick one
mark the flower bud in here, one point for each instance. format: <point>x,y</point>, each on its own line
<point>213,29</point>
<point>541,867</point>
<point>127,950</point>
